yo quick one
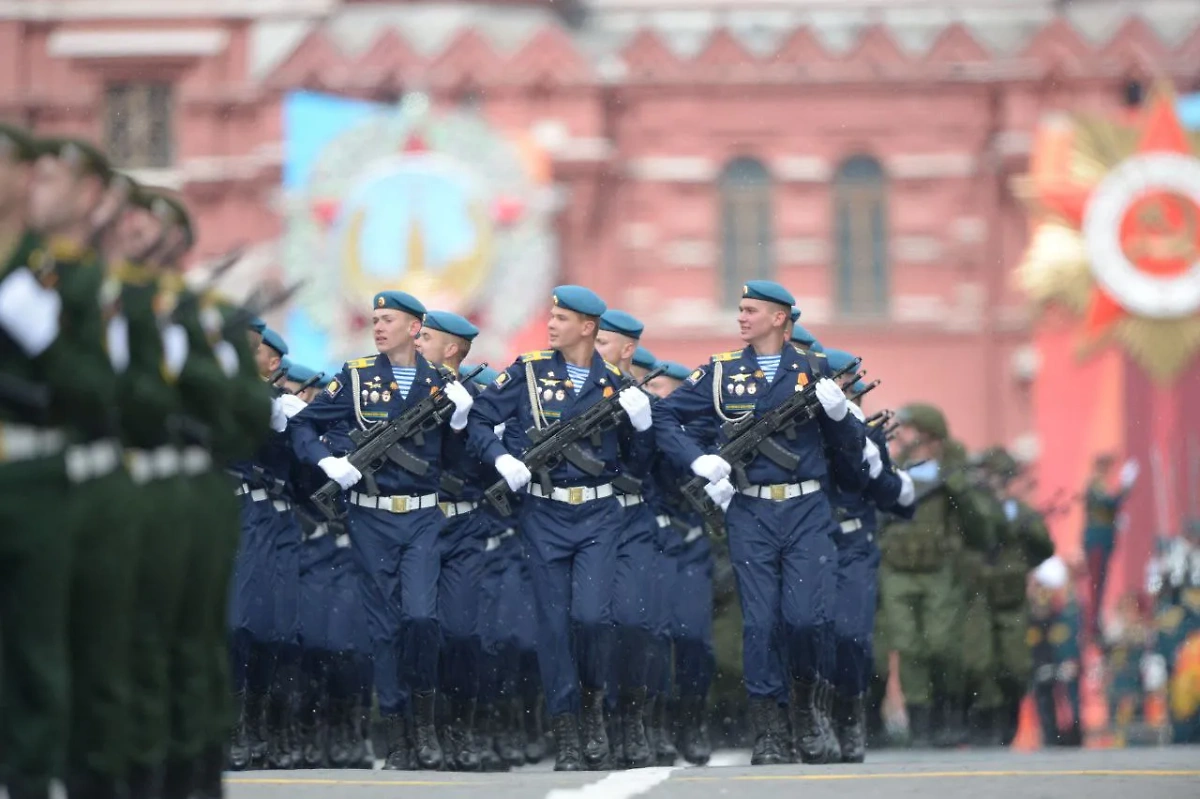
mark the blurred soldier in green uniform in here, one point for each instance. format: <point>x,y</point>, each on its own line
<point>71,199</point>
<point>919,579</point>
<point>35,533</point>
<point>1053,641</point>
<point>1022,544</point>
<point>1100,531</point>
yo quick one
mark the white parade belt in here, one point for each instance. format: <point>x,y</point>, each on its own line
<point>781,491</point>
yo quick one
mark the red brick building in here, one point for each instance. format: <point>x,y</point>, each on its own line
<point>859,151</point>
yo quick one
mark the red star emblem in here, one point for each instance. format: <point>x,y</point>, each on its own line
<point>507,210</point>
<point>415,143</point>
<point>325,211</point>
<point>1158,232</point>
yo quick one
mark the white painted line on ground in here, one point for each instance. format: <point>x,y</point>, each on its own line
<point>618,785</point>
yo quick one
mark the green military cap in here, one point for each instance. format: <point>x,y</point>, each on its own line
<point>924,418</point>
<point>999,462</point>
<point>82,156</point>
<point>16,144</point>
<point>169,210</point>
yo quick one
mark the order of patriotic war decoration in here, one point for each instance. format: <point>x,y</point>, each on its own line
<point>408,198</point>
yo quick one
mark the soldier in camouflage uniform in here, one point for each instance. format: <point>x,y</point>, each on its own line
<point>1022,544</point>
<point>919,579</point>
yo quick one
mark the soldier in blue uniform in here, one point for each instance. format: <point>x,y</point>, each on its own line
<point>890,490</point>
<point>687,596</point>
<point>638,567</point>
<point>446,339</point>
<point>394,535</point>
<point>264,595</point>
<point>571,527</point>
<point>781,523</point>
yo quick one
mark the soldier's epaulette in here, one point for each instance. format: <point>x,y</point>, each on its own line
<point>816,354</point>
<point>1169,619</point>
<point>62,249</point>
<point>536,355</point>
<point>361,363</point>
<point>612,368</point>
<point>727,356</point>
<point>133,274</point>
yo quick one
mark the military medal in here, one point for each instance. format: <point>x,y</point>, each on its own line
<point>569,384</point>
<point>374,396</point>
<point>394,386</point>
<point>365,395</point>
<point>387,396</point>
<point>729,388</point>
<point>739,389</point>
<point>548,394</point>
<point>752,388</point>
<point>560,395</point>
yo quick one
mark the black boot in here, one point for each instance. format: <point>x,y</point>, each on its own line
<point>279,743</point>
<point>341,737</point>
<point>635,748</point>
<point>91,785</point>
<point>210,769</point>
<point>849,723</point>
<point>364,735</point>
<point>239,742</point>
<point>461,751</point>
<point>807,737</point>
<point>593,736</point>
<point>566,737</point>
<point>918,726</point>
<point>763,721</point>
<point>833,750</point>
<point>665,753</point>
<point>485,739</point>
<point>950,732</point>
<point>255,720</point>
<point>510,736</point>
<point>535,736</point>
<point>399,752</point>
<point>425,741</point>
<point>314,733</point>
<point>143,782</point>
<point>693,731</point>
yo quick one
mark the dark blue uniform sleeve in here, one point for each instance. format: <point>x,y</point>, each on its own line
<point>686,405</point>
<point>331,406</point>
<point>884,490</point>
<point>844,444</point>
<point>500,404</point>
<point>638,449</point>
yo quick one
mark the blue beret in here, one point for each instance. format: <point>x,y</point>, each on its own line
<point>325,379</point>
<point>299,374</point>
<point>768,291</point>
<point>801,336</point>
<point>274,341</point>
<point>676,370</point>
<point>644,358</point>
<point>795,314</point>
<point>858,387</point>
<point>451,323</point>
<point>838,359</point>
<point>817,346</point>
<point>485,376</point>
<point>621,322</point>
<point>399,301</point>
<point>579,300</point>
<point>257,325</point>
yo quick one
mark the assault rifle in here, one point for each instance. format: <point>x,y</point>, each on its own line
<point>559,442</point>
<point>751,436</point>
<point>883,417</point>
<point>867,389</point>
<point>381,443</point>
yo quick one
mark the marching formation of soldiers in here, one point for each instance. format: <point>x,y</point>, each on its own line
<point>236,561</point>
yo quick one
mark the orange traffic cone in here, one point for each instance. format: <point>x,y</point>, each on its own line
<point>1029,733</point>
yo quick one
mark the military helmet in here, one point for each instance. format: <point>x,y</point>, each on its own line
<point>925,419</point>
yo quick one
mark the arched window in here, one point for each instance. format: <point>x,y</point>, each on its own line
<point>861,237</point>
<point>747,243</point>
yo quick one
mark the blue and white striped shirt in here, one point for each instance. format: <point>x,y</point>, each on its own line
<point>579,376</point>
<point>769,365</point>
<point>404,376</point>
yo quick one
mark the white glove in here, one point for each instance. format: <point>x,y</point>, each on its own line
<point>227,357</point>
<point>292,404</point>
<point>515,473</point>
<point>712,468</point>
<point>857,412</point>
<point>871,456</point>
<point>1129,474</point>
<point>340,471</point>
<point>175,349</point>
<point>720,492</point>
<point>29,311</point>
<point>278,416</point>
<point>118,343</point>
<point>462,400</point>
<point>908,491</point>
<point>1154,672</point>
<point>499,430</point>
<point>636,405</point>
<point>832,399</point>
<point>211,320</point>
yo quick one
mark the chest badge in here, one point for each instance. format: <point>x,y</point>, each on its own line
<point>752,389</point>
<point>386,396</point>
<point>374,396</point>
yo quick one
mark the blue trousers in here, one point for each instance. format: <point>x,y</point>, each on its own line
<point>854,613</point>
<point>331,611</point>
<point>782,555</point>
<point>399,562</point>
<point>508,625</point>
<point>635,608</point>
<point>572,554</point>
<point>266,583</point>
<point>663,582</point>
<point>692,617</point>
<point>461,547</point>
